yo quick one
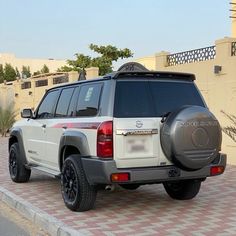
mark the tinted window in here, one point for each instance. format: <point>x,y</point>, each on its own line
<point>88,101</point>
<point>46,108</point>
<point>132,99</point>
<point>71,110</point>
<point>64,102</point>
<point>153,98</point>
<point>169,96</point>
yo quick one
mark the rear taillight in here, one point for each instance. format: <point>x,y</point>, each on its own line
<point>217,170</point>
<point>105,140</point>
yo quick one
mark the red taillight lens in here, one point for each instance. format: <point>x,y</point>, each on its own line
<point>217,170</point>
<point>105,140</point>
<point>120,177</point>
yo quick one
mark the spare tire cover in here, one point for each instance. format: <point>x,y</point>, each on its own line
<point>191,137</point>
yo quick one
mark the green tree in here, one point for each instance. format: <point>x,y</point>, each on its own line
<point>26,72</point>
<point>1,74</point>
<point>44,70</point>
<point>110,52</point>
<point>80,62</point>
<point>36,73</point>
<point>231,129</point>
<point>9,73</point>
<point>7,118</point>
<point>107,55</point>
<point>65,69</point>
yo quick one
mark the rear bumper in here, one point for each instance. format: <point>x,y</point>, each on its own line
<point>99,172</point>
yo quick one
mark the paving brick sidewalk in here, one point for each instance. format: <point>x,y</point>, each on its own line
<point>146,211</point>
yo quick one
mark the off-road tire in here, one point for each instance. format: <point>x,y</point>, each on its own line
<point>77,193</point>
<point>183,190</point>
<point>191,137</point>
<point>17,170</point>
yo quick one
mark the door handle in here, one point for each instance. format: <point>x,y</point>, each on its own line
<point>44,126</point>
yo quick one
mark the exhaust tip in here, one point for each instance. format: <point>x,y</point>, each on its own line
<point>110,188</point>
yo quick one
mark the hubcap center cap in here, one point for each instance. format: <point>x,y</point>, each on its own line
<point>71,183</point>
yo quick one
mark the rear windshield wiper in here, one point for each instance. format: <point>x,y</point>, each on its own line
<point>164,116</point>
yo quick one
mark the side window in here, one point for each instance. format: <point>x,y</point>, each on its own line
<point>64,102</point>
<point>46,108</point>
<point>88,101</point>
<point>71,110</point>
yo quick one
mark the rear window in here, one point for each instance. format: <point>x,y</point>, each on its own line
<point>153,98</point>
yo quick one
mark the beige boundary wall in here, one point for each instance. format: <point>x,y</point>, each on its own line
<point>26,93</point>
<point>218,88</point>
<point>34,64</point>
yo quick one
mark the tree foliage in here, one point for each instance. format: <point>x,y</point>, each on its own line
<point>231,129</point>
<point>107,55</point>
<point>7,118</point>
<point>26,72</point>
<point>45,69</point>
<point>65,69</point>
<point>37,73</point>
<point>1,73</point>
<point>9,73</point>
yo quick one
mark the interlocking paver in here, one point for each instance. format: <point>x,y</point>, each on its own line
<point>146,211</point>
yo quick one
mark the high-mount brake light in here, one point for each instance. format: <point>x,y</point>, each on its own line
<point>105,140</point>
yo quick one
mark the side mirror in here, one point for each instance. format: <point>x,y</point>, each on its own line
<point>27,113</point>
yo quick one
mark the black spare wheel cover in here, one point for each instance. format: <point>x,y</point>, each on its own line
<point>191,137</point>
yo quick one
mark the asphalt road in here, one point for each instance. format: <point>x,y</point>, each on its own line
<point>9,228</point>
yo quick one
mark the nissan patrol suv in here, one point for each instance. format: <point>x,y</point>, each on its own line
<point>129,128</point>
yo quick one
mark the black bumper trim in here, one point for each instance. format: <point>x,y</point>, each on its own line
<point>99,172</point>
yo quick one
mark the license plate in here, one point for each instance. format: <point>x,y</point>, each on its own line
<point>137,145</point>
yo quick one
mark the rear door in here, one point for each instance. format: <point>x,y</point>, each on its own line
<point>56,127</point>
<point>139,107</point>
<point>135,125</point>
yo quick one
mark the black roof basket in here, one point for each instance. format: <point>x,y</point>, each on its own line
<point>132,67</point>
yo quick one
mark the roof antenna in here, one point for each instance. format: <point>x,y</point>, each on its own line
<point>132,67</point>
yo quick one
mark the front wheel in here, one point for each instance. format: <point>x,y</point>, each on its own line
<point>77,193</point>
<point>183,190</point>
<point>17,170</point>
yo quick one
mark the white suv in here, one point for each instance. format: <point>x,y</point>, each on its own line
<point>132,127</point>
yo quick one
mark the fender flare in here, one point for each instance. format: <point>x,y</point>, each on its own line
<point>17,133</point>
<point>76,139</point>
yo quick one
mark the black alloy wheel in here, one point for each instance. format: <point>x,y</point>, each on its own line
<point>70,182</point>
<point>12,164</point>
<point>18,172</point>
<point>77,193</point>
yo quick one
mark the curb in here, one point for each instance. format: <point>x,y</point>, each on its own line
<point>48,223</point>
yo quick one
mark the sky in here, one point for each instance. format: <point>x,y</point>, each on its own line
<point>58,28</point>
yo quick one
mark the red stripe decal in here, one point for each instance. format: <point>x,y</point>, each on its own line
<point>92,125</point>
